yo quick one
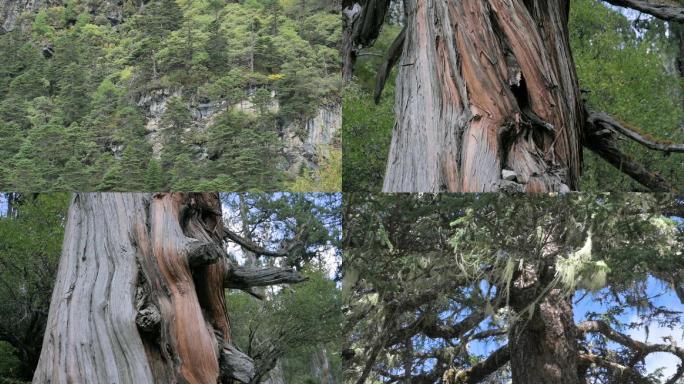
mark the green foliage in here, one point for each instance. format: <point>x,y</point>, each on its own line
<point>31,229</point>
<point>297,325</point>
<point>299,321</point>
<point>630,74</point>
<point>326,178</point>
<point>366,133</point>
<point>367,127</point>
<point>75,80</point>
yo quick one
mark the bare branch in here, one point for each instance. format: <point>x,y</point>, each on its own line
<point>602,142</point>
<point>249,245</point>
<point>662,11</point>
<point>235,365</point>
<point>603,120</point>
<point>246,277</point>
<point>385,68</point>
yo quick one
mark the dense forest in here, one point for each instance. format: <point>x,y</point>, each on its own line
<point>464,288</point>
<point>629,65</point>
<point>290,332</point>
<point>169,95</point>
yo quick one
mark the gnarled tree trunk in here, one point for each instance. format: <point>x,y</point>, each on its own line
<point>139,296</point>
<point>485,86</point>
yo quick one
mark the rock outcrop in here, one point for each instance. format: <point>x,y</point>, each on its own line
<point>304,143</point>
<point>12,10</point>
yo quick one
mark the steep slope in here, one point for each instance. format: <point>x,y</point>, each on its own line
<point>166,94</point>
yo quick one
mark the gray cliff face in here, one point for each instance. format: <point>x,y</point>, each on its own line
<point>320,133</point>
<point>12,10</point>
<point>304,143</point>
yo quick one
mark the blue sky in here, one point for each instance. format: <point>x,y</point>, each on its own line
<point>661,295</point>
<point>328,255</point>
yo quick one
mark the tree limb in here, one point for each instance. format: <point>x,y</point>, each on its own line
<point>602,142</point>
<point>661,11</point>
<point>479,371</point>
<point>385,68</point>
<point>235,365</point>
<point>602,120</point>
<point>250,246</point>
<point>619,372</point>
<point>642,349</point>
<point>242,277</point>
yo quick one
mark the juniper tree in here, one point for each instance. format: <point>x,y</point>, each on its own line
<point>487,96</point>
<point>427,276</point>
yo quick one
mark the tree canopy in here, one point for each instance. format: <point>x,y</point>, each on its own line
<point>437,286</point>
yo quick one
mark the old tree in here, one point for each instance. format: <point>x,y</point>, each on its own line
<point>487,96</point>
<point>140,295</point>
<point>483,289</point>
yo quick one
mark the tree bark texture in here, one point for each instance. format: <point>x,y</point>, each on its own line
<point>543,348</point>
<point>484,86</point>
<point>139,296</point>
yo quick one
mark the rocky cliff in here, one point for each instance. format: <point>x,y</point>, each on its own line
<point>304,143</point>
<point>12,10</point>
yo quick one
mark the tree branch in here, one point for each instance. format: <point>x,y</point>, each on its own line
<point>235,365</point>
<point>250,246</point>
<point>479,371</point>
<point>619,372</point>
<point>246,277</point>
<point>200,253</point>
<point>604,121</point>
<point>662,11</point>
<point>385,68</point>
<point>602,142</point>
<point>642,349</point>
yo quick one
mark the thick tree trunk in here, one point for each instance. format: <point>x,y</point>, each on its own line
<point>483,86</point>
<point>139,296</point>
<point>543,349</point>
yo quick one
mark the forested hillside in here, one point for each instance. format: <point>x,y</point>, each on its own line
<point>629,65</point>
<point>166,94</point>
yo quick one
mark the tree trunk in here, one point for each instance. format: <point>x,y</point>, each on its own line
<point>543,349</point>
<point>484,86</point>
<point>139,296</point>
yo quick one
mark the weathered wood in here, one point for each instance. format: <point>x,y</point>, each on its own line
<point>362,21</point>
<point>235,365</point>
<point>663,11</point>
<point>471,74</point>
<point>201,253</point>
<point>243,277</point>
<point>127,305</point>
<point>600,140</point>
<point>92,302</point>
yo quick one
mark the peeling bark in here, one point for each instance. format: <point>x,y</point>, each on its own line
<point>485,86</point>
<point>139,297</point>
